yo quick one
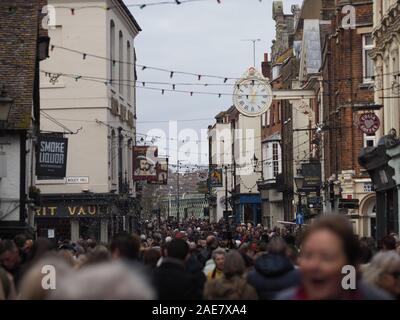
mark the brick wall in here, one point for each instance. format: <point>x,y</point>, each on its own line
<point>344,88</point>
<point>19,24</point>
<point>274,114</point>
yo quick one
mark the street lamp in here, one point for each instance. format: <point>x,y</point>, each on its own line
<point>5,104</point>
<point>299,181</point>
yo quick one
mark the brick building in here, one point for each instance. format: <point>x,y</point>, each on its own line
<point>322,132</point>
<point>23,44</point>
<point>347,94</point>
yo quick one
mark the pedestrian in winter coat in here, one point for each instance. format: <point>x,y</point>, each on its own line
<point>218,256</point>
<point>171,280</point>
<point>273,271</point>
<point>11,260</point>
<point>194,267</point>
<point>232,285</point>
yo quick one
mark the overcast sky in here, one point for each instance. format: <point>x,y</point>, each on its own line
<point>203,38</point>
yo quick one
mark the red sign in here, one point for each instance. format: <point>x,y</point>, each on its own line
<point>369,123</point>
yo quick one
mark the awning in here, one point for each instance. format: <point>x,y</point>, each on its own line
<point>291,223</point>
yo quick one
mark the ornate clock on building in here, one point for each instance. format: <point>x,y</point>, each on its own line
<point>252,95</point>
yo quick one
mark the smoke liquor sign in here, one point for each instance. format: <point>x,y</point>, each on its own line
<point>51,160</point>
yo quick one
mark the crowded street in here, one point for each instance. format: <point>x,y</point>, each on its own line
<point>184,153</point>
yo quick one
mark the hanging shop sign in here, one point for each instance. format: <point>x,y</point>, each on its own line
<point>161,172</point>
<point>312,176</point>
<point>51,157</point>
<point>145,163</point>
<point>369,123</point>
<point>215,178</point>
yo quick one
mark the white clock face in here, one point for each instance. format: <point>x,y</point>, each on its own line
<point>252,96</point>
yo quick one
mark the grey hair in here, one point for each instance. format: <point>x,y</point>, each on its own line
<point>218,251</point>
<point>105,281</point>
<point>381,263</point>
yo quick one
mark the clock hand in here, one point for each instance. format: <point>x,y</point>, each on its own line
<point>253,96</point>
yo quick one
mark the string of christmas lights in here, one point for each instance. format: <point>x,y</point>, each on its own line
<point>53,78</point>
<point>171,73</point>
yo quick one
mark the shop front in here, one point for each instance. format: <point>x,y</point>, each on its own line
<point>75,217</point>
<point>247,208</point>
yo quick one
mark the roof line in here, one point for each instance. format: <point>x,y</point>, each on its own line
<point>129,13</point>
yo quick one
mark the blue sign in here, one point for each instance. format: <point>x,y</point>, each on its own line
<point>299,218</point>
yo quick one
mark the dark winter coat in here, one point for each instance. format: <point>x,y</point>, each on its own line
<point>196,269</point>
<point>205,255</point>
<point>173,282</point>
<point>273,273</point>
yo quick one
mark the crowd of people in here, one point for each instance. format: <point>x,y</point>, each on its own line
<point>196,260</point>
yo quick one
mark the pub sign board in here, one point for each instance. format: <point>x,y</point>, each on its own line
<point>51,156</point>
<point>312,176</point>
<point>67,211</point>
<point>144,163</point>
<point>161,172</point>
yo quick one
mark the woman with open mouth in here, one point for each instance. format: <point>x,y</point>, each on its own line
<point>329,264</point>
